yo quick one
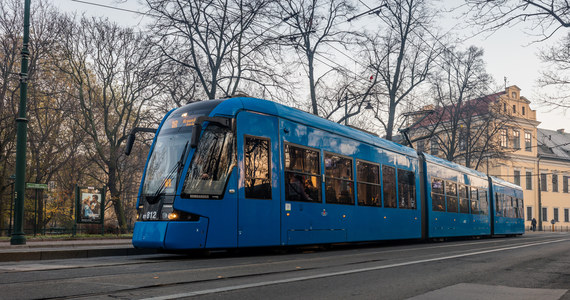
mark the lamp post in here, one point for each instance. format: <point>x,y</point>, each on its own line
<point>12,180</point>
<point>18,237</point>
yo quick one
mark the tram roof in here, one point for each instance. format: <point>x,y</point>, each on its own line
<point>232,106</point>
<point>455,166</point>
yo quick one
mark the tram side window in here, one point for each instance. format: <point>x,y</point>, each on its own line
<point>498,204</point>
<point>483,202</point>
<point>463,199</point>
<point>437,195</point>
<point>257,163</point>
<point>368,176</point>
<point>451,196</point>
<point>474,201</point>
<point>338,179</point>
<point>302,174</point>
<point>406,189</point>
<point>389,186</point>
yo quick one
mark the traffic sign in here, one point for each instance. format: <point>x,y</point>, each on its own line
<point>39,186</point>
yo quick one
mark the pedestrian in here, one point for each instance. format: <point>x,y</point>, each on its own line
<point>533,223</point>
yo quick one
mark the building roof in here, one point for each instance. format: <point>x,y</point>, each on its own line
<point>553,144</point>
<point>473,107</point>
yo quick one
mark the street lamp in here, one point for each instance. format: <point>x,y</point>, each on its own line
<point>19,237</point>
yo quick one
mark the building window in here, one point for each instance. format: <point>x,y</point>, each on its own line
<point>303,174</point>
<point>505,107</point>
<point>555,214</point>
<point>504,138</point>
<point>257,160</point>
<point>555,183</point>
<point>514,109</point>
<point>565,184</point>
<point>566,217</point>
<point>543,183</point>
<point>516,139</point>
<point>523,110</point>
<point>527,141</point>
<point>338,177</point>
<point>529,213</point>
<point>462,144</point>
<point>421,145</point>
<point>368,176</point>
<point>528,180</point>
<point>544,214</point>
<point>514,95</point>
<point>517,177</point>
<point>434,146</point>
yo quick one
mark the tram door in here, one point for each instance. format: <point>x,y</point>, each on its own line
<point>258,192</point>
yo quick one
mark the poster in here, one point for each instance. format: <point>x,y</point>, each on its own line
<point>90,205</point>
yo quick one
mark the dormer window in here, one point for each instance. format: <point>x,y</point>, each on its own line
<point>514,95</point>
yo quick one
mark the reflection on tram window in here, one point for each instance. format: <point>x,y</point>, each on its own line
<point>406,189</point>
<point>368,176</point>
<point>257,168</point>
<point>302,174</point>
<point>463,199</point>
<point>339,184</point>
<point>389,186</point>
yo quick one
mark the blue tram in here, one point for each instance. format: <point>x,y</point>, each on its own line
<point>246,172</point>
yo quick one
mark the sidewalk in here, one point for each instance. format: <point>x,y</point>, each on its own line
<point>64,249</point>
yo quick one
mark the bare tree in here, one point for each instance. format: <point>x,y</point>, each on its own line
<point>313,25</point>
<point>112,70</point>
<point>220,41</point>
<point>10,44</point>
<point>401,55</point>
<point>555,79</point>
<point>466,121</point>
<point>543,16</point>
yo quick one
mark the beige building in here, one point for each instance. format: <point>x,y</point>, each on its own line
<point>536,159</point>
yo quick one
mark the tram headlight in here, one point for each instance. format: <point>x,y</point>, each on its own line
<point>173,216</point>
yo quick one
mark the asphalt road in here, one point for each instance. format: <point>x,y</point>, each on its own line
<point>534,266</point>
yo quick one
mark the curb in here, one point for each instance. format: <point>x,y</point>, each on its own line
<point>71,253</point>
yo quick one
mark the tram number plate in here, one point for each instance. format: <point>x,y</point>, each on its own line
<point>150,215</point>
<point>150,212</point>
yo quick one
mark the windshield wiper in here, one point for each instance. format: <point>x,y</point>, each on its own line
<point>176,169</point>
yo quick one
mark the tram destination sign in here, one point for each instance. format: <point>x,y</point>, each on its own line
<point>38,186</point>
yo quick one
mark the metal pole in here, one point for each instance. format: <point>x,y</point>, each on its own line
<point>18,237</point>
<point>539,195</point>
<point>11,207</point>
<point>36,213</point>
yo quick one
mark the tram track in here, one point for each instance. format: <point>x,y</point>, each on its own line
<point>298,264</point>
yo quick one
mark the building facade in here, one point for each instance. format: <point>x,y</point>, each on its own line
<point>536,159</point>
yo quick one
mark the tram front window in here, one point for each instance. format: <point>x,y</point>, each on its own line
<point>165,163</point>
<point>211,164</point>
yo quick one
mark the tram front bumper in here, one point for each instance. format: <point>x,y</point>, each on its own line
<point>173,235</point>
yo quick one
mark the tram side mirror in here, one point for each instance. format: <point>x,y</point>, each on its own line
<point>131,138</point>
<point>130,143</point>
<point>195,135</point>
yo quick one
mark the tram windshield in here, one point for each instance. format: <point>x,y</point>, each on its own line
<point>166,163</point>
<point>211,164</point>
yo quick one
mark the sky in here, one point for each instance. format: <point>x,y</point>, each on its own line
<point>509,52</point>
